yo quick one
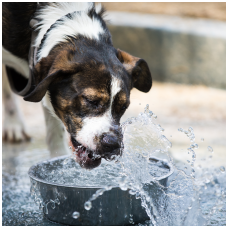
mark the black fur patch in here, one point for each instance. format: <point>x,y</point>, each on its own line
<point>16,33</point>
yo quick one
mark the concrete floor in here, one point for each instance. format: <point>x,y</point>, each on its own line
<point>177,106</point>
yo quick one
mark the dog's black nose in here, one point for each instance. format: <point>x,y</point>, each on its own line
<point>110,142</point>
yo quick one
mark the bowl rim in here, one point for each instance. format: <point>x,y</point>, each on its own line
<point>30,173</point>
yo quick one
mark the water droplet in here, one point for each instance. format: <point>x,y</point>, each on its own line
<point>131,220</point>
<point>146,109</point>
<point>202,139</point>
<point>191,150</point>
<point>155,116</point>
<point>194,156</point>
<point>210,149</point>
<point>188,161</point>
<point>88,205</point>
<point>190,129</point>
<point>76,215</point>
<point>196,146</point>
<point>70,147</point>
<point>170,135</point>
<point>180,129</point>
<point>222,169</point>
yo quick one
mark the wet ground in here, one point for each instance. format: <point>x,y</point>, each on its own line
<point>177,106</point>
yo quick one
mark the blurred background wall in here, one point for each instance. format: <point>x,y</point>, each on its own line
<point>182,42</point>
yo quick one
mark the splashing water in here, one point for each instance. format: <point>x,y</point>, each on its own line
<point>182,202</point>
<point>194,195</point>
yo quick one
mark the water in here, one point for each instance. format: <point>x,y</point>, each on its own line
<point>195,194</point>
<point>76,215</point>
<point>68,172</point>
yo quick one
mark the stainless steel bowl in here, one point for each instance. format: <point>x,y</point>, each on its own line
<point>114,207</point>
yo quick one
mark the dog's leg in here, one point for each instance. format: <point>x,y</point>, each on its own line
<point>55,135</point>
<point>14,129</point>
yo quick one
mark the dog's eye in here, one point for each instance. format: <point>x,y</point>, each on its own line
<point>92,102</point>
<point>95,103</point>
<point>124,107</point>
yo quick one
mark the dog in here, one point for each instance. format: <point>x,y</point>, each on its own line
<point>83,82</point>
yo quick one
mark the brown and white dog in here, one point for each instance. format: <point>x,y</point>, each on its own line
<point>83,82</point>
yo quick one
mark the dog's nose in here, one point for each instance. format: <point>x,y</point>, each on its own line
<point>110,142</point>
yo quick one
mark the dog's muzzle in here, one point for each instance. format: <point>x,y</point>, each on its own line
<point>109,147</point>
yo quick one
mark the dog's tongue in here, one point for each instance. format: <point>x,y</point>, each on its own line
<point>85,158</point>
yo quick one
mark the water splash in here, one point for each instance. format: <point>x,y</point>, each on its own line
<point>188,199</point>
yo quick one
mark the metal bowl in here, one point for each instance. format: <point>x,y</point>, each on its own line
<point>114,207</point>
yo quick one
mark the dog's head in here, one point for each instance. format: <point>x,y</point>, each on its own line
<point>89,87</point>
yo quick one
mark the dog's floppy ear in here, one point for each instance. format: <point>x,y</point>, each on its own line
<point>46,71</point>
<point>138,69</point>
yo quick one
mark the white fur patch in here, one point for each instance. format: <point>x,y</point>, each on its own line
<point>18,64</point>
<point>115,88</point>
<point>96,126</point>
<point>79,24</point>
<point>92,127</point>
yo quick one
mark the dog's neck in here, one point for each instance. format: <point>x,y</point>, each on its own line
<point>56,22</point>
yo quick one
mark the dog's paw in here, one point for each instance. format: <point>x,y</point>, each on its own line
<point>14,130</point>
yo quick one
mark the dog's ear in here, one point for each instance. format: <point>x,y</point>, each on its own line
<point>48,69</point>
<point>138,69</point>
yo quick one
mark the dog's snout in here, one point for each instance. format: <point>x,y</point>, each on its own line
<point>110,142</point>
